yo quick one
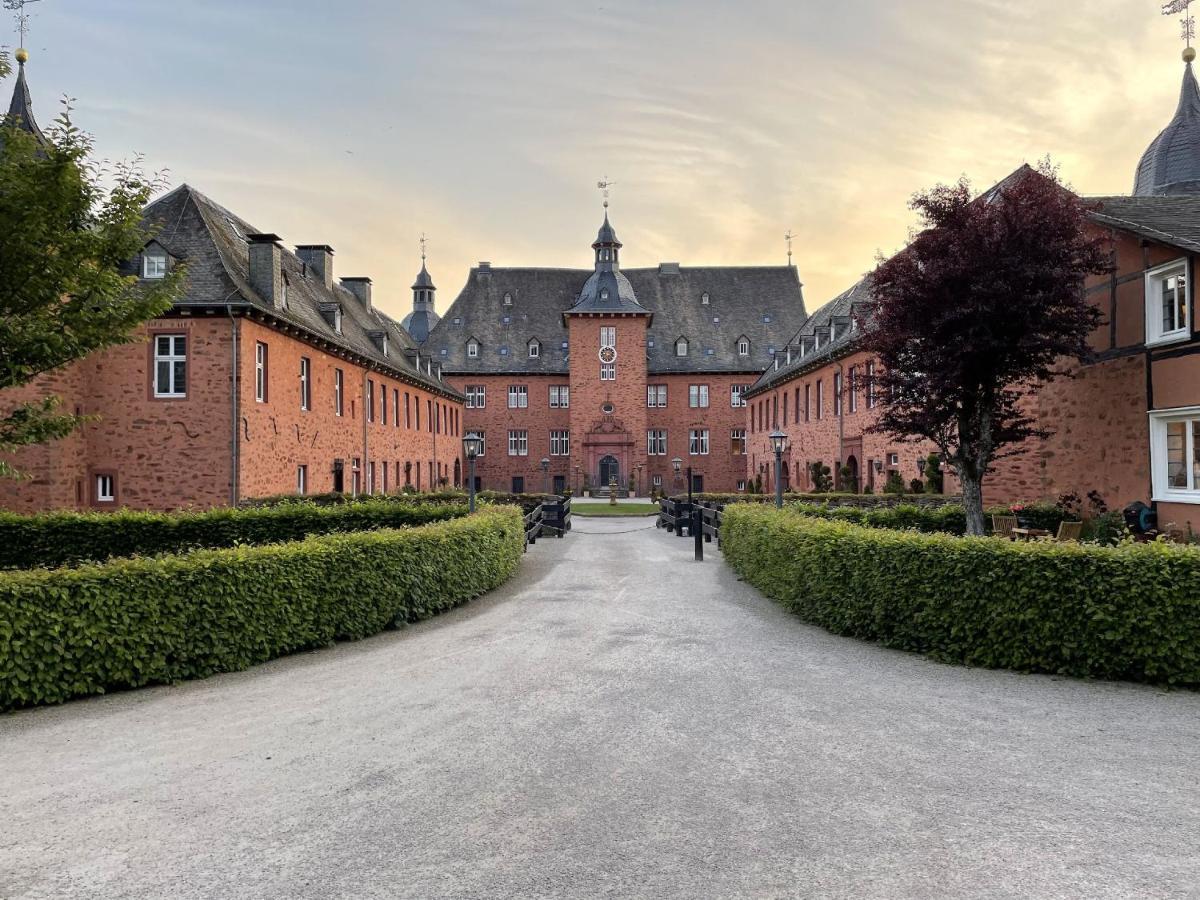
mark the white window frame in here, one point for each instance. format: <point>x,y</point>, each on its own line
<point>560,396</point>
<point>305,382</point>
<point>656,396</point>
<point>106,488</point>
<point>698,396</point>
<point>853,389</point>
<point>681,347</point>
<point>743,346</point>
<point>518,396</point>
<point>1159,420</point>
<point>482,444</point>
<point>871,384</point>
<point>472,349</point>
<point>173,356</point>
<point>737,434</point>
<point>560,442</point>
<point>608,337</point>
<point>656,480</point>
<point>339,386</point>
<point>698,442</point>
<point>1155,335</point>
<point>518,442</point>
<point>154,265</point>
<point>476,396</point>
<point>260,372</point>
<point>301,480</point>
<point>656,442</point>
<point>737,394</point>
<point>535,350</point>
<point>608,371</point>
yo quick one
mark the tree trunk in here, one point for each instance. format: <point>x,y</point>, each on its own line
<point>972,490</point>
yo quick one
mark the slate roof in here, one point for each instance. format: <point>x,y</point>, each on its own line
<point>211,240</point>
<point>840,311</point>
<point>20,109</point>
<point>765,304</point>
<point>1171,164</point>
<point>1173,220</point>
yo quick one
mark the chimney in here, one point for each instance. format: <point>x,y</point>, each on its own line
<point>265,274</point>
<point>485,272</point>
<point>319,258</point>
<point>668,268</point>
<point>360,288</point>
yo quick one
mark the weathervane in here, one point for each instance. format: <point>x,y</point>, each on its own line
<point>18,7</point>
<point>604,184</point>
<point>423,242</point>
<point>788,237</point>
<point>1187,24</point>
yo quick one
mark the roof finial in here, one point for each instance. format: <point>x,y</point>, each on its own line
<point>788,237</point>
<point>422,249</point>
<point>604,184</point>
<point>1187,25</point>
<point>18,7</point>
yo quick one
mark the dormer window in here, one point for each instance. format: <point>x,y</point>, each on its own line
<point>1167,301</point>
<point>681,347</point>
<point>603,293</point>
<point>704,298</point>
<point>535,349</point>
<point>743,346</point>
<point>508,299</point>
<point>472,349</point>
<point>337,319</point>
<point>154,264</point>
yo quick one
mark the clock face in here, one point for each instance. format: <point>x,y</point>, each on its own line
<point>608,354</point>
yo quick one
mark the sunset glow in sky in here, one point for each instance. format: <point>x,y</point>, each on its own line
<point>486,123</point>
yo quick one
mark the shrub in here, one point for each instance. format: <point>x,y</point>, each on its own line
<point>935,479</point>
<point>72,632</point>
<point>1130,612</point>
<point>821,477</point>
<point>66,538</point>
<point>947,519</point>
<point>894,484</point>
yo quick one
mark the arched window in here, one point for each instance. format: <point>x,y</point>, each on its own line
<point>704,298</point>
<point>472,349</point>
<point>681,347</point>
<point>743,346</point>
<point>508,299</point>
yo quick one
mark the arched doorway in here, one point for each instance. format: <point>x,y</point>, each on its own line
<point>852,484</point>
<point>610,471</point>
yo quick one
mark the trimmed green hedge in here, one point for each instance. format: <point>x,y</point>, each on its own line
<point>1129,612</point>
<point>128,623</point>
<point>58,539</point>
<point>833,498</point>
<point>947,519</point>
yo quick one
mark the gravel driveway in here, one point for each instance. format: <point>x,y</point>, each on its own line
<point>618,721</point>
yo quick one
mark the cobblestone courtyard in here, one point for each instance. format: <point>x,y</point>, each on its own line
<point>617,721</point>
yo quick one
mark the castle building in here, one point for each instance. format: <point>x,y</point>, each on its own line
<point>268,376</point>
<point>1127,425</point>
<point>584,378</point>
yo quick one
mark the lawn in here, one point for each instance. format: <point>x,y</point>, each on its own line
<point>604,508</point>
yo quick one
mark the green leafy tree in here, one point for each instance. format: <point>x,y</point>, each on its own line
<point>68,224</point>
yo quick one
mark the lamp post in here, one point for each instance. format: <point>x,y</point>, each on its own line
<point>637,479</point>
<point>778,439</point>
<point>694,511</point>
<point>472,444</point>
<point>545,475</point>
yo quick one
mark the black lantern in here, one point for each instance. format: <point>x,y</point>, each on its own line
<point>472,447</point>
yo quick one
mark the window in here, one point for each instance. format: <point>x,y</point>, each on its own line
<point>656,396</point>
<point>476,396</point>
<point>608,337</point>
<point>608,371</point>
<point>518,396</point>
<point>535,349</point>
<point>853,389</point>
<point>305,383</point>
<point>560,396</point>
<point>807,400</point>
<point>302,480</point>
<point>518,443</point>
<point>508,299</point>
<point>1167,296</point>
<point>518,484</point>
<point>429,415</point>
<point>482,442</point>
<point>1175,454</point>
<point>743,346</point>
<point>871,384</point>
<point>383,404</point>
<point>170,365</point>
<point>472,349</point>
<point>395,407</point>
<point>737,441</point>
<point>737,394</point>
<point>656,442</point>
<point>560,443</point>
<point>698,442</point>
<point>656,481</point>
<point>383,473</point>
<point>837,393</point>
<point>698,396</point>
<point>704,298</point>
<point>681,347</point>
<point>371,476</point>
<point>339,396</point>
<point>260,372</point>
<point>741,486</point>
<point>407,415</point>
<point>893,459</point>
<point>154,264</point>
<point>370,400</point>
<point>820,399</point>
<point>106,488</point>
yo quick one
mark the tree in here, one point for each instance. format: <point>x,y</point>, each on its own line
<point>984,306</point>
<point>64,240</point>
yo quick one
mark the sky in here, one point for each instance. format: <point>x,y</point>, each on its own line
<point>486,124</point>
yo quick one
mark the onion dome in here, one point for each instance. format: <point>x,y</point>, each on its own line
<point>607,289</point>
<point>421,320</point>
<point>1171,164</point>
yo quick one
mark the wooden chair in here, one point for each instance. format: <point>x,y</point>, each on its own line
<point>1002,526</point>
<point>1067,531</point>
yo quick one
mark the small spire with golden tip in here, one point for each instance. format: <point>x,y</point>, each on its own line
<point>1189,54</point>
<point>22,55</point>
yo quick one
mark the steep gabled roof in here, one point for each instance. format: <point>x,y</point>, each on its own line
<point>211,240</point>
<point>764,303</point>
<point>20,109</point>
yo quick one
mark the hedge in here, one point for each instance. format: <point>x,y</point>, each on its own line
<point>123,624</point>
<point>1128,612</point>
<point>67,538</point>
<point>947,519</point>
<point>334,498</point>
<point>836,498</point>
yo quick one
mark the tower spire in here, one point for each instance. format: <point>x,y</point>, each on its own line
<point>20,109</point>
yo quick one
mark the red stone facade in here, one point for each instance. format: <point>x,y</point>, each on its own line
<point>167,453</point>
